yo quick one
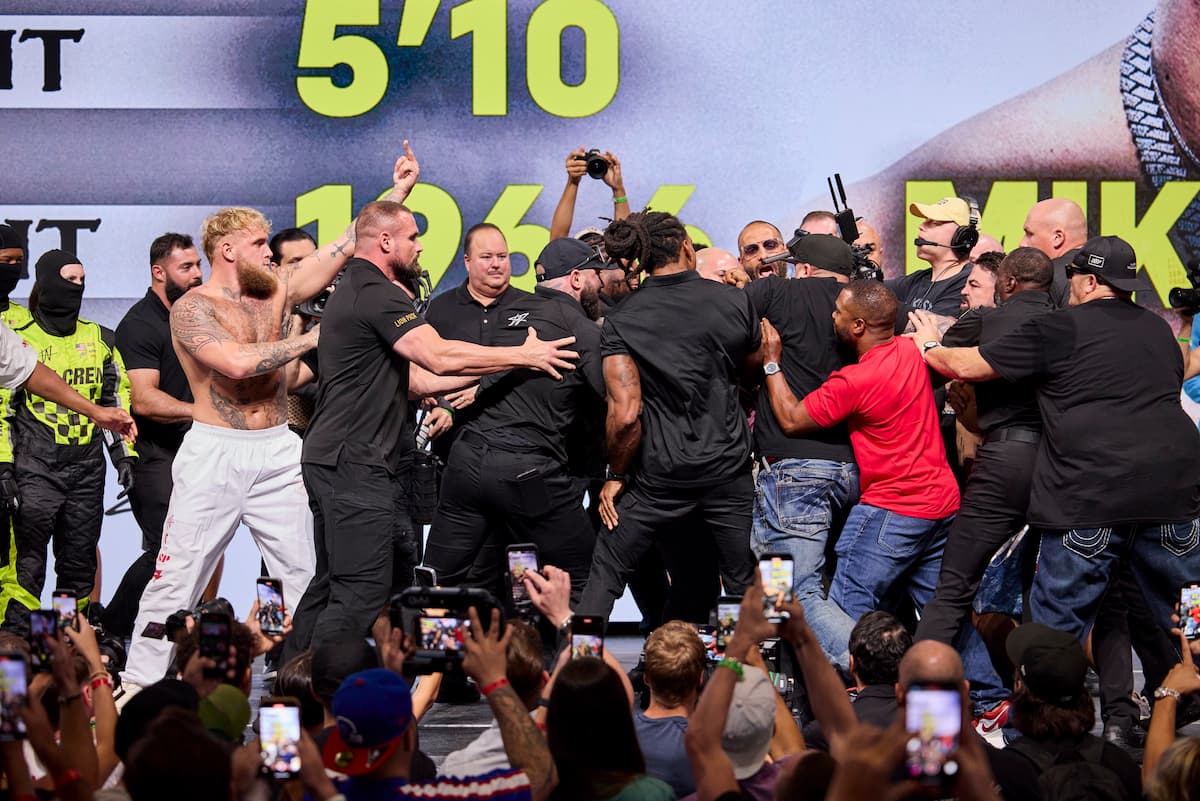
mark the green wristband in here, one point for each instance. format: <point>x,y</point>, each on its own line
<point>733,665</point>
<point>621,199</point>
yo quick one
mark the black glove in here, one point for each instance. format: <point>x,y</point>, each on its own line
<point>124,476</point>
<point>9,497</point>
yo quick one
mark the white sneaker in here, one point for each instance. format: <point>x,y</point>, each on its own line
<point>126,691</point>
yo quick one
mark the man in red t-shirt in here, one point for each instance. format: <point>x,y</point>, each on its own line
<point>909,496</point>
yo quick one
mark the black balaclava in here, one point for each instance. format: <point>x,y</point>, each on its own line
<point>10,274</point>
<point>58,299</point>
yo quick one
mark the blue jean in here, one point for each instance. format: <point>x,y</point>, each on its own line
<point>795,502</point>
<point>879,549</point>
<point>1076,566</point>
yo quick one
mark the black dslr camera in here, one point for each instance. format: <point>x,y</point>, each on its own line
<point>438,621</point>
<point>597,165</point>
<point>1187,299</point>
<point>315,306</point>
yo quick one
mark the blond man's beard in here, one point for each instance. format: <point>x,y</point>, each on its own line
<point>255,280</point>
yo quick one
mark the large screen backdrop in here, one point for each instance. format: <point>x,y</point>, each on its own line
<point>122,120</point>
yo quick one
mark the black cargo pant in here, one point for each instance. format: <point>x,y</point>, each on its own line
<point>366,549</point>
<point>62,502</point>
<point>994,507</point>
<point>519,495</point>
<point>148,499</point>
<point>689,526</point>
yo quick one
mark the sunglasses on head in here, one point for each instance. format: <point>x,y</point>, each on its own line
<point>1073,270</point>
<point>767,244</point>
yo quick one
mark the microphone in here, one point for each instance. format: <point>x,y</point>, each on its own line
<point>921,241</point>
<point>778,257</point>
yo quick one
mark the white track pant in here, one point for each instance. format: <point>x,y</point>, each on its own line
<point>224,477</point>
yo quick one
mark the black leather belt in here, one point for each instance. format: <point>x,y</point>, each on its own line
<point>1027,435</point>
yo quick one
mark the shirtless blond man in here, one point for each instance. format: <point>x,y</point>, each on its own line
<point>239,462</point>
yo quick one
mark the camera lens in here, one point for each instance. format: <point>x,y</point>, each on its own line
<point>597,165</point>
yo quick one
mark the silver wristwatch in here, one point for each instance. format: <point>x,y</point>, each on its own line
<point>771,368</point>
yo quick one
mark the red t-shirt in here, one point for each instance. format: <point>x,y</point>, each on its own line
<point>887,403</point>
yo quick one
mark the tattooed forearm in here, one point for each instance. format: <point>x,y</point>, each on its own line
<point>525,745</point>
<point>273,355</point>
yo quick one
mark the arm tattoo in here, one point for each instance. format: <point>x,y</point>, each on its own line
<point>526,746</point>
<point>194,323</point>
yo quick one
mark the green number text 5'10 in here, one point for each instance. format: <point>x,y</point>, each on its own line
<point>331,207</point>
<point>486,21</point>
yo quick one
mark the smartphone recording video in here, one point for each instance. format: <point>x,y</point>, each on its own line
<point>778,575</point>
<point>587,636</point>
<point>270,606</point>
<point>68,611</point>
<point>214,642</point>
<point>13,690</point>
<point>520,559</point>
<point>43,628</point>
<point>279,738</point>
<point>727,618</point>
<point>442,633</point>
<point>934,720</point>
<point>1189,611</point>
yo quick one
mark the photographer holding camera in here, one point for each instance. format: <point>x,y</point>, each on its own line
<point>599,166</point>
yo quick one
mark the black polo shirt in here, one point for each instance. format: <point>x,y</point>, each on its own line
<point>144,341</point>
<point>802,311</point>
<point>1117,447</point>
<point>530,408</point>
<point>918,291</point>
<point>689,338</point>
<point>362,406</point>
<point>1002,403</point>
<point>458,315</point>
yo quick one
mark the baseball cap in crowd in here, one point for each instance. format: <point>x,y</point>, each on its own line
<point>565,255</point>
<point>373,710</point>
<point>1050,662</point>
<point>333,661</point>
<point>225,712</point>
<point>948,209</point>
<point>1112,260</point>
<point>746,739</point>
<point>825,252</point>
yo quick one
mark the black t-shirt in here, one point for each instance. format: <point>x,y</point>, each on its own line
<point>689,338</point>
<point>802,311</point>
<point>458,315</point>
<point>1002,403</point>
<point>1060,288</point>
<point>1018,775</point>
<point>1117,446</point>
<point>918,291</point>
<point>144,340</point>
<point>363,403</point>
<point>876,704</point>
<point>529,406</point>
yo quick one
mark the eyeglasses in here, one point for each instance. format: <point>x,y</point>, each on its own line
<point>767,244</point>
<point>595,256</point>
<point>1072,271</point>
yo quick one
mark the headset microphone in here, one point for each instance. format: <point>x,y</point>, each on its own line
<point>920,241</point>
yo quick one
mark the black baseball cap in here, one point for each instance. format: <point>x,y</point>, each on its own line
<point>825,252</point>
<point>1050,662</point>
<point>1112,260</point>
<point>565,255</point>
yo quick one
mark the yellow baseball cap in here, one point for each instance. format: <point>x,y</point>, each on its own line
<point>948,209</point>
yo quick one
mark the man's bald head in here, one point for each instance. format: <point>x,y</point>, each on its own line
<point>1055,226</point>
<point>377,216</point>
<point>986,244</point>
<point>714,264</point>
<point>929,661</point>
<point>868,236</point>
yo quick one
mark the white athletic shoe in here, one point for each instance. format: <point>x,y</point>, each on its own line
<point>127,690</point>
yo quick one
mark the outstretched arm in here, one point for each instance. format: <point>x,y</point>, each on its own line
<point>309,276</point>
<point>195,326</point>
<point>793,417</point>
<point>564,212</point>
